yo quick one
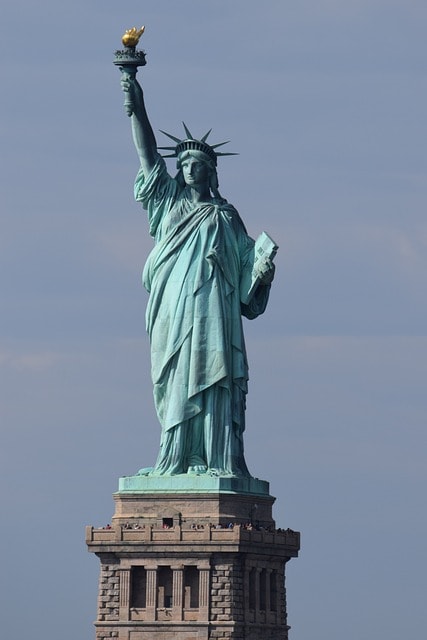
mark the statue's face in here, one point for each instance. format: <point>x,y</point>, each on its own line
<point>195,172</point>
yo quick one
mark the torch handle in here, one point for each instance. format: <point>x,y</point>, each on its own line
<point>128,104</point>
<point>128,73</point>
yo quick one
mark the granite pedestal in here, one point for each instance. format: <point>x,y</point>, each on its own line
<point>192,558</point>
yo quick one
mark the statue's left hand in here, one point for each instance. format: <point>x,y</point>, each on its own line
<point>266,270</point>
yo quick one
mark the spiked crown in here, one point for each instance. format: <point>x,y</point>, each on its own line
<point>192,144</point>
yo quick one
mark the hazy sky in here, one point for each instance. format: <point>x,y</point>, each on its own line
<point>325,101</point>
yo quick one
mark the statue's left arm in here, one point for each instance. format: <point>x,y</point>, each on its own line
<point>264,272</point>
<point>258,303</point>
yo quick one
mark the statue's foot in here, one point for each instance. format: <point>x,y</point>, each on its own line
<point>197,469</point>
<point>215,472</point>
<point>145,471</point>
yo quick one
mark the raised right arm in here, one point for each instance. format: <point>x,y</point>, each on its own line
<point>143,136</point>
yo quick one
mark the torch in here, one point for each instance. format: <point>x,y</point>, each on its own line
<point>129,59</point>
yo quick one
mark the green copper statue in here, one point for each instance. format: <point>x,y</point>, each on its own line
<point>202,276</point>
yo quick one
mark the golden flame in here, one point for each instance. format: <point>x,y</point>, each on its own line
<point>131,36</point>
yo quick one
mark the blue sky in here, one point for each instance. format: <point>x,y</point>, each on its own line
<point>325,102</point>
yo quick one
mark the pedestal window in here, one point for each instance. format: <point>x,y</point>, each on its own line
<point>191,588</point>
<point>164,588</point>
<point>138,592</point>
<point>273,590</point>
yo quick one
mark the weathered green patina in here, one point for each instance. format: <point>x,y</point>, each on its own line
<point>197,276</point>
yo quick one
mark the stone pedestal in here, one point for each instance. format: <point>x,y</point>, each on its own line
<point>181,564</point>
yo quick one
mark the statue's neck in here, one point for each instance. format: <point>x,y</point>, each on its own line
<point>199,194</point>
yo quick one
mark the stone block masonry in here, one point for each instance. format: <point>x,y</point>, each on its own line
<point>191,568</point>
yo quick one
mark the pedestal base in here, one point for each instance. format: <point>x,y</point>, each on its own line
<point>201,500</point>
<point>190,565</point>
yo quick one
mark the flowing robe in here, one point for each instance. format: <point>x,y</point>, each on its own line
<point>198,358</point>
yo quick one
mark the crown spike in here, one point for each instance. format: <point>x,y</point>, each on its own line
<point>219,144</point>
<point>187,131</point>
<point>205,137</point>
<point>177,140</point>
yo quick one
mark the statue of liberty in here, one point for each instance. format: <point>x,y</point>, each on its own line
<point>197,277</point>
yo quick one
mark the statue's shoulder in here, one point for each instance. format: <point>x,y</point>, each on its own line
<point>233,215</point>
<point>166,184</point>
<point>225,206</point>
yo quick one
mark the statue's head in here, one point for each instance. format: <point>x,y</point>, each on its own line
<point>195,167</point>
<point>199,150</point>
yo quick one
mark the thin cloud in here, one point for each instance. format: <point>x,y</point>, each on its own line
<point>29,362</point>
